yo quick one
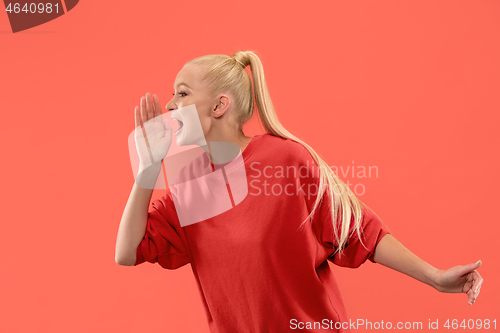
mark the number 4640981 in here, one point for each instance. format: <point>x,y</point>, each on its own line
<point>33,8</point>
<point>471,324</point>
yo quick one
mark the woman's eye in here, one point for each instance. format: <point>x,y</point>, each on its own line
<point>182,94</point>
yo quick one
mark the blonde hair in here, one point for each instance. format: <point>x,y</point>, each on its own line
<point>227,74</point>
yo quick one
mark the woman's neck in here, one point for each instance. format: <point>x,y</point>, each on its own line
<point>222,147</point>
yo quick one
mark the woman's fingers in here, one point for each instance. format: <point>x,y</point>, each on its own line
<point>470,297</point>
<point>157,105</point>
<point>149,105</point>
<point>471,283</point>
<point>476,282</point>
<point>144,115</point>
<point>137,119</point>
<point>477,285</point>
<point>478,288</point>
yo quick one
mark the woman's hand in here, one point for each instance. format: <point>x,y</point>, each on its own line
<point>153,136</point>
<point>460,279</point>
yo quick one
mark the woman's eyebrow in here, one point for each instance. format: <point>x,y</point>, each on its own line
<point>183,84</point>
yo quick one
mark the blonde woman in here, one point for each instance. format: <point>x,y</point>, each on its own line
<point>262,264</point>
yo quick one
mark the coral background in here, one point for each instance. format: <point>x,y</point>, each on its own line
<point>409,87</point>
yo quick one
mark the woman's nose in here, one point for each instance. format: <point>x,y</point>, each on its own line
<point>171,106</point>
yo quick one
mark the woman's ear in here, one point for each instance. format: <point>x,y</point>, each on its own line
<point>222,106</point>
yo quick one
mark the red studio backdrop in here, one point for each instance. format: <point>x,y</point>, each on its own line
<point>407,88</point>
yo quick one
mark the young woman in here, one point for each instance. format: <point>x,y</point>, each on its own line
<point>260,261</point>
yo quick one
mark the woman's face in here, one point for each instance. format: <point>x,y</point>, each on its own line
<point>192,107</point>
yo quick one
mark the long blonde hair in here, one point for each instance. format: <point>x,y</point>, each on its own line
<point>227,74</point>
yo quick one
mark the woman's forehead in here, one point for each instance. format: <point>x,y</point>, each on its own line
<point>189,75</point>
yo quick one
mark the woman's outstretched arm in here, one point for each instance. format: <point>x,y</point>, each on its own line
<point>459,279</point>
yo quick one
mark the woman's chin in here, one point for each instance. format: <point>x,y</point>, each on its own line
<point>179,137</point>
<point>179,141</point>
<point>182,139</point>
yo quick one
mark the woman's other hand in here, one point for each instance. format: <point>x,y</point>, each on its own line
<point>460,279</point>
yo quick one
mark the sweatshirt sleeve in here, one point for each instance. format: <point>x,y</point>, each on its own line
<point>161,243</point>
<point>354,254</point>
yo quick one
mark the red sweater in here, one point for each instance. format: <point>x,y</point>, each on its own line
<point>256,270</point>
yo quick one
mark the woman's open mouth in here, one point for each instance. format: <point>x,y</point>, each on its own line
<point>180,127</point>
